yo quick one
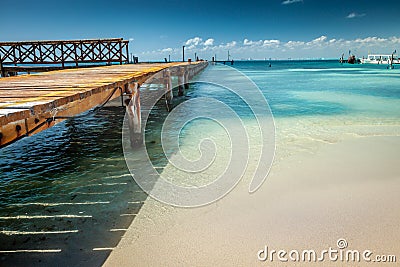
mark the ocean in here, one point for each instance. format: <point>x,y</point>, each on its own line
<point>67,195</point>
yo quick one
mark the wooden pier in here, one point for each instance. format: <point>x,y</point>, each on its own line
<point>225,62</point>
<point>33,103</point>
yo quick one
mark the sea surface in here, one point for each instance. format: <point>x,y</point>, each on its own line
<point>66,194</point>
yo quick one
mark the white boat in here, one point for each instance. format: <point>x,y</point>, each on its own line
<point>380,59</point>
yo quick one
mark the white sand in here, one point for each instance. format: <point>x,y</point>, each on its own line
<point>346,190</point>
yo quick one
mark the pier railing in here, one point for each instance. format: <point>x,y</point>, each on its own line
<point>68,52</point>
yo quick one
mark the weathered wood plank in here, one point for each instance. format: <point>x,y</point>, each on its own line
<point>29,103</point>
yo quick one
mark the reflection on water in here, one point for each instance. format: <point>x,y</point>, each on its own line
<point>70,182</point>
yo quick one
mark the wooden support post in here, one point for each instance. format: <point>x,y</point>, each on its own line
<point>120,52</point>
<point>62,55</point>
<point>76,55</point>
<point>109,53</point>
<point>187,78</point>
<point>181,81</point>
<point>134,117</point>
<point>168,89</point>
<point>3,73</point>
<point>40,53</point>
<point>20,59</point>
<point>127,52</point>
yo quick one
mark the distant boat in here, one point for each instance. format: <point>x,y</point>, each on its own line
<point>381,59</point>
<point>353,60</point>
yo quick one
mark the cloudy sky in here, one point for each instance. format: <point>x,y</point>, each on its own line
<point>248,29</point>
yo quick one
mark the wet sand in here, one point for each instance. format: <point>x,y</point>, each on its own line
<point>348,190</point>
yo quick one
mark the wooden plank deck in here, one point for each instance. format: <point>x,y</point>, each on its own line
<point>28,102</point>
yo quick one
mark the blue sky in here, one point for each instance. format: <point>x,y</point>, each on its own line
<point>249,29</point>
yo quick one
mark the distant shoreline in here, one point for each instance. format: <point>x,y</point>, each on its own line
<point>262,60</point>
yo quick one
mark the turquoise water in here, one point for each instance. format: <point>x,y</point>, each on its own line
<point>78,168</point>
<point>286,83</point>
<point>322,102</point>
<point>314,103</point>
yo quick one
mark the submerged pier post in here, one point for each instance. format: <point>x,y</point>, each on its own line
<point>186,78</point>
<point>181,81</point>
<point>133,111</point>
<point>168,89</point>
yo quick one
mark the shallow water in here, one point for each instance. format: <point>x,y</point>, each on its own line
<point>312,107</point>
<point>65,189</point>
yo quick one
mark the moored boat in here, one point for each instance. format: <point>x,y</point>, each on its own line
<point>381,59</point>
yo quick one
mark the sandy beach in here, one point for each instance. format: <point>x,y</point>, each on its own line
<point>347,190</point>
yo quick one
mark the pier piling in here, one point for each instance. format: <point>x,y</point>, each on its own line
<point>181,81</point>
<point>168,89</point>
<point>186,79</point>
<point>134,116</point>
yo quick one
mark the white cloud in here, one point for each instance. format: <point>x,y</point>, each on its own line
<point>322,46</point>
<point>370,40</point>
<point>294,44</point>
<point>231,44</point>
<point>394,40</point>
<point>261,43</point>
<point>353,15</point>
<point>288,2</point>
<point>194,41</point>
<point>252,43</point>
<point>271,43</point>
<point>317,42</point>
<point>320,39</point>
<point>209,42</point>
